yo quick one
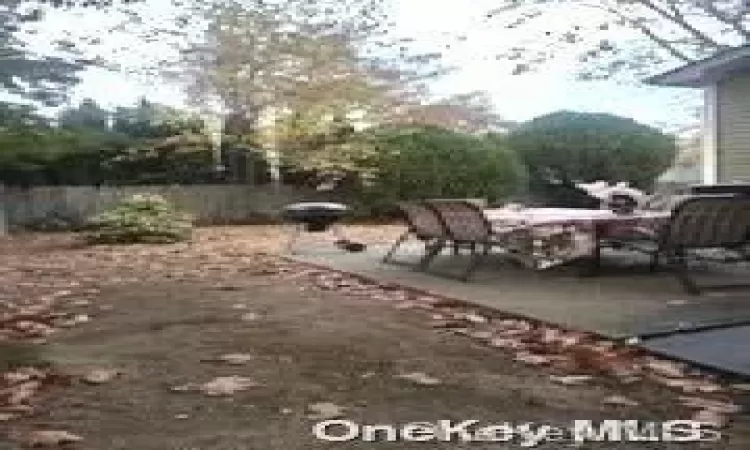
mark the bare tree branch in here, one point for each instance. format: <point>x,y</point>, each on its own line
<point>735,21</point>
<point>678,19</point>
<point>638,25</point>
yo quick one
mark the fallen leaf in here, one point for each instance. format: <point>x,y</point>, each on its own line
<point>17,377</point>
<point>182,416</point>
<point>5,417</point>
<point>406,305</point>
<point>533,359</point>
<point>75,320</point>
<point>324,411</point>
<point>185,387</point>
<point>475,318</point>
<point>678,302</point>
<point>227,385</point>
<point>481,335</point>
<point>711,418</point>
<point>239,306</point>
<point>742,387</point>
<point>21,393</point>
<point>619,400</point>
<point>101,376</point>
<point>666,368</point>
<point>51,438</point>
<point>447,324</point>
<point>710,404</point>
<point>420,378</point>
<point>249,317</point>
<point>236,358</point>
<point>502,342</point>
<point>571,380</point>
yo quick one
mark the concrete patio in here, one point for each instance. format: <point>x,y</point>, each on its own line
<point>624,301</point>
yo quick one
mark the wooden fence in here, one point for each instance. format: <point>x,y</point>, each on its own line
<point>211,204</point>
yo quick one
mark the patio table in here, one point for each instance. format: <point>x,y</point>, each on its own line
<point>598,224</point>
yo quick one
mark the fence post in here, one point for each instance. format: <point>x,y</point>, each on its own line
<point>3,213</point>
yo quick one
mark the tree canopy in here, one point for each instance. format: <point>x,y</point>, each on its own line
<point>572,146</point>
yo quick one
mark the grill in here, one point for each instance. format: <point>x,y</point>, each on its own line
<point>314,217</point>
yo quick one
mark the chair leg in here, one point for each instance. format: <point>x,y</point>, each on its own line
<point>395,246</point>
<point>476,258</point>
<point>432,252</point>
<point>456,248</point>
<point>654,264</point>
<point>293,239</point>
<point>683,275</point>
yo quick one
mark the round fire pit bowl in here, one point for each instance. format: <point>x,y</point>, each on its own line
<point>315,216</point>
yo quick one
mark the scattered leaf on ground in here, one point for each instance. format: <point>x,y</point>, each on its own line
<point>475,318</point>
<point>619,400</point>
<point>420,378</point>
<point>22,393</point>
<point>711,418</point>
<point>501,342</point>
<point>533,359</point>
<point>250,317</point>
<point>52,438</point>
<point>236,358</point>
<point>666,368</point>
<point>324,411</point>
<point>710,404</point>
<point>101,376</point>
<point>481,335</point>
<point>571,380</point>
<point>227,385</point>
<point>189,387</point>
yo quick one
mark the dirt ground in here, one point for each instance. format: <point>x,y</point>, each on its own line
<point>164,316</point>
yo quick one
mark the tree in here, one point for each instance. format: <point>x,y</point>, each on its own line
<point>152,120</point>
<point>570,146</point>
<point>13,115</point>
<point>313,80</point>
<point>469,113</point>
<point>612,36</point>
<point>255,59</point>
<point>88,115</point>
<point>429,162</point>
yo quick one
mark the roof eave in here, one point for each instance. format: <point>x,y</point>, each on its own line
<point>706,71</point>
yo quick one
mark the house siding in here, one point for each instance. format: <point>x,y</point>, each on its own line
<point>733,133</point>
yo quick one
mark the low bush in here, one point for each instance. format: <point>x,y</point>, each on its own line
<point>141,218</point>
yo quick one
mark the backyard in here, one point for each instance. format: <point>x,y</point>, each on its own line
<point>125,341</point>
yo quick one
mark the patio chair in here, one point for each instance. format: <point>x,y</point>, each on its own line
<point>422,223</point>
<point>704,222</point>
<point>467,226</point>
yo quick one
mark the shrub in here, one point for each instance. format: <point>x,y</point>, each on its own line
<point>141,218</point>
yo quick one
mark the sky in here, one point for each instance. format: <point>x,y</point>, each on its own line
<point>431,23</point>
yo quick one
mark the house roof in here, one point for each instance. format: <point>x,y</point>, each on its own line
<point>706,71</point>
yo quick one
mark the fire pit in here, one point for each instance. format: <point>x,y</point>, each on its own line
<point>317,217</point>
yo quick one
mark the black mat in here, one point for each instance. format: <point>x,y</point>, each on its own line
<point>727,349</point>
